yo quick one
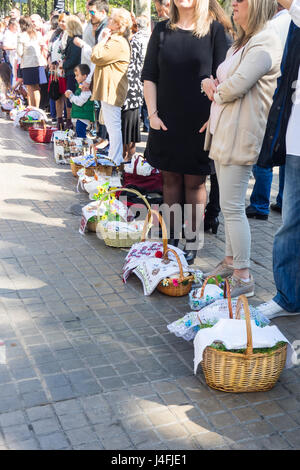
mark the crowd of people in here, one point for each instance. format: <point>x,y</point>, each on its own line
<point>219,97</point>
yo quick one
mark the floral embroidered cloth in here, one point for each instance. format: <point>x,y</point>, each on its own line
<point>211,293</point>
<point>188,326</point>
<point>154,270</point>
<point>143,251</point>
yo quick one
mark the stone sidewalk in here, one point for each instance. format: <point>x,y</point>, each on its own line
<point>90,362</point>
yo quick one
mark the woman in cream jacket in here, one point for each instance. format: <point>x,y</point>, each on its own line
<point>241,98</point>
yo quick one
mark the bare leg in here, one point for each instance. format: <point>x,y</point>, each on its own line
<point>37,96</point>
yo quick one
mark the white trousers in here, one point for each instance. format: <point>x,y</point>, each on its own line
<point>233,183</point>
<point>112,120</point>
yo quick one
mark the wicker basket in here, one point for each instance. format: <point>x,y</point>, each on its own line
<point>249,372</point>
<point>26,124</point>
<point>120,240</point>
<point>41,135</point>
<point>226,292</point>
<point>75,168</point>
<point>184,282</point>
<point>92,226</point>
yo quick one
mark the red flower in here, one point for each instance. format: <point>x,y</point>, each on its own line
<point>158,254</point>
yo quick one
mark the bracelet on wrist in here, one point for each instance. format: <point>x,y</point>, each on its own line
<point>152,114</point>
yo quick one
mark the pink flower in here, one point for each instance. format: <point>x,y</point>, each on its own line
<point>175,282</point>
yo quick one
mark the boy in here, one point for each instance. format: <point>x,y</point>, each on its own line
<point>82,107</point>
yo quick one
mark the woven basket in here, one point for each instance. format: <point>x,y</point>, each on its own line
<point>75,168</point>
<point>121,240</point>
<point>41,135</point>
<point>26,124</point>
<point>184,282</point>
<point>249,372</point>
<point>92,226</point>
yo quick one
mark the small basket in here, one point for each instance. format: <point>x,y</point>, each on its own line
<point>249,372</point>
<point>75,168</point>
<point>184,282</point>
<point>41,135</point>
<point>92,226</point>
<point>120,240</point>
<point>26,124</point>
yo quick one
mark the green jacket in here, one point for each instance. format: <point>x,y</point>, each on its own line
<point>86,111</point>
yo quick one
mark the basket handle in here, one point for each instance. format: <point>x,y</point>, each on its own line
<point>104,156</point>
<point>226,292</point>
<point>242,300</point>
<point>134,191</point>
<point>181,276</point>
<point>161,221</point>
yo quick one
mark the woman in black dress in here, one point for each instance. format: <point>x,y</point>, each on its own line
<point>182,51</point>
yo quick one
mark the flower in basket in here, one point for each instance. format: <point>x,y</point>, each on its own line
<point>175,282</point>
<point>158,254</point>
<point>165,282</point>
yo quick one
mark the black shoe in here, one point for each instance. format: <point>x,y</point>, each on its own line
<point>251,213</point>
<point>275,207</point>
<point>211,223</point>
<point>173,241</point>
<point>190,255</point>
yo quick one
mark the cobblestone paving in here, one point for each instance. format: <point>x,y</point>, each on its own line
<point>90,362</point>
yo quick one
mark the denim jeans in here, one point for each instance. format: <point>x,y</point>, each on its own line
<point>52,108</point>
<point>81,129</point>
<point>260,197</point>
<point>286,252</point>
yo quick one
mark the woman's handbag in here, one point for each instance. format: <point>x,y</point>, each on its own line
<point>53,87</point>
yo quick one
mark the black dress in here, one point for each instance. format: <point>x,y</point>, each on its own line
<point>177,61</point>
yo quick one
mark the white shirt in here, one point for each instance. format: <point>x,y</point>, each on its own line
<point>280,23</point>
<point>10,40</point>
<point>292,135</point>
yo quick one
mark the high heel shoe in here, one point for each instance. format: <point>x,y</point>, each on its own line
<point>190,255</point>
<point>211,223</point>
<point>173,241</point>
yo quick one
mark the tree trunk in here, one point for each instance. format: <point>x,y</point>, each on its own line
<point>143,7</point>
<point>226,4</point>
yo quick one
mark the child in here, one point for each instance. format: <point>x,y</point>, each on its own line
<point>82,107</point>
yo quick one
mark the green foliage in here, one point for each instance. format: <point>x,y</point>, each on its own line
<point>44,7</point>
<point>221,347</point>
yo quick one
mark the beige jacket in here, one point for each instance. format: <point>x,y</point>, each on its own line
<point>110,82</point>
<point>245,98</point>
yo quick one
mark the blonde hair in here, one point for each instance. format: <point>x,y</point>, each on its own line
<point>73,26</point>
<point>123,18</point>
<point>202,17</point>
<point>259,13</point>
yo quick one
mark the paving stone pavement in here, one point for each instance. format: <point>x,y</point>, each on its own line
<point>90,362</point>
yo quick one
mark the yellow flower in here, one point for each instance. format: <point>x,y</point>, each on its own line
<point>104,217</point>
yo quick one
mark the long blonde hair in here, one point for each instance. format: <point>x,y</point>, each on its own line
<point>73,26</point>
<point>202,17</point>
<point>259,13</point>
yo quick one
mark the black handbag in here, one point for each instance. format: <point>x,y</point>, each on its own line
<point>53,88</point>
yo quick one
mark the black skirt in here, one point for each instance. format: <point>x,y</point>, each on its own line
<point>131,126</point>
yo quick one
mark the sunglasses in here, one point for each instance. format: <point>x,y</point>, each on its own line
<point>92,12</point>
<point>239,1</point>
